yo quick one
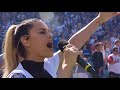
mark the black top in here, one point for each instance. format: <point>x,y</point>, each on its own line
<point>36,69</point>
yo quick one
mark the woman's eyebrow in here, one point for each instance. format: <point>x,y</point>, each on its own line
<point>43,29</point>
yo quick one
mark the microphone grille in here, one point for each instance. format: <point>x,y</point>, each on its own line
<point>61,44</point>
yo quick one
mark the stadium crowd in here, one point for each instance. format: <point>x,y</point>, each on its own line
<point>64,25</point>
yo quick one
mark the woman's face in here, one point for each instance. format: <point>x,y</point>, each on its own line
<point>107,45</point>
<point>40,40</point>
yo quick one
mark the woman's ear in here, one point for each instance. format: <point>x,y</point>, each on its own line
<point>25,40</point>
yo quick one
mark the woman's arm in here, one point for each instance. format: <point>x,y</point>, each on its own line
<point>80,37</point>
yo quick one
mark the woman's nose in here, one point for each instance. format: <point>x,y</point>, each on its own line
<point>50,35</point>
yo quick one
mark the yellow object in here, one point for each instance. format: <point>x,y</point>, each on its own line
<point>86,67</point>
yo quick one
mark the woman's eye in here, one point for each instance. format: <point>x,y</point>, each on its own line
<point>42,32</point>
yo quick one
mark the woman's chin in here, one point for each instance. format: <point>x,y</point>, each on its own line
<point>50,55</point>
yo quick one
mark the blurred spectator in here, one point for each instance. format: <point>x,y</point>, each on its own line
<point>92,48</point>
<point>112,39</point>
<point>97,58</point>
<point>106,52</point>
<point>100,34</point>
<point>117,44</point>
<point>114,64</point>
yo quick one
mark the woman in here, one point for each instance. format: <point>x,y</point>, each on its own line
<point>106,52</point>
<point>28,50</point>
<point>26,47</point>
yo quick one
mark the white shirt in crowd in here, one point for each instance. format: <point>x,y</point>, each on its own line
<point>114,67</point>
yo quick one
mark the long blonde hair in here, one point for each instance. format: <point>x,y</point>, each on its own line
<point>10,61</point>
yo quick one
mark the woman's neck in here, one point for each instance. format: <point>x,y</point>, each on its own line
<point>34,58</point>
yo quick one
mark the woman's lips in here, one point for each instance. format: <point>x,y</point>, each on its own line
<point>50,45</point>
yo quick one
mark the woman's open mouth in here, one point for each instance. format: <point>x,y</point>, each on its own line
<point>50,46</point>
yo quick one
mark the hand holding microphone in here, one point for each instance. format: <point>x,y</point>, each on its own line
<point>70,55</point>
<point>63,44</point>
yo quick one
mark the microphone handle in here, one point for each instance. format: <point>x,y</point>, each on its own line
<point>87,66</point>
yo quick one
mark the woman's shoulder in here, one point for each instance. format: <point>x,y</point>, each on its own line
<point>19,72</point>
<point>18,75</point>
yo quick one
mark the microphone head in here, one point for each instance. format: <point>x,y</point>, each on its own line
<point>61,44</point>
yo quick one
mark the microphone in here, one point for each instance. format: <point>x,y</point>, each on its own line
<point>62,44</point>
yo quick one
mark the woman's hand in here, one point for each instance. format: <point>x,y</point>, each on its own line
<point>70,55</point>
<point>105,16</point>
